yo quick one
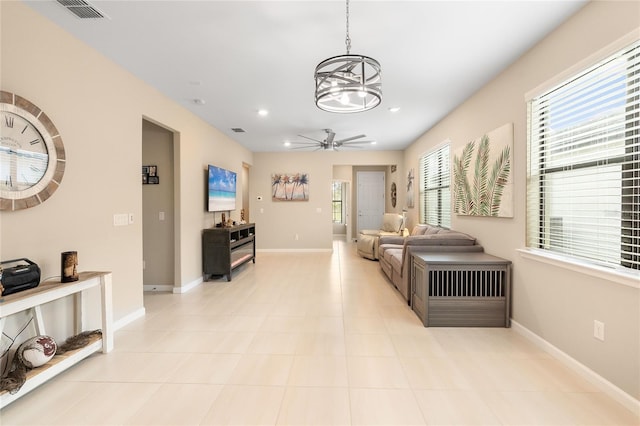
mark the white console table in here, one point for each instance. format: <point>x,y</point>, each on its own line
<point>49,291</point>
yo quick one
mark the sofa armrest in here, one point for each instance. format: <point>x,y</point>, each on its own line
<point>441,239</point>
<point>392,239</point>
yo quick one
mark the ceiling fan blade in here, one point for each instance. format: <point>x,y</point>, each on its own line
<point>351,138</point>
<point>311,139</point>
<point>357,143</point>
<point>305,143</point>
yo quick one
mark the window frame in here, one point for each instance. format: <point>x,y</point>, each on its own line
<point>442,189</point>
<point>627,275</point>
<point>337,201</point>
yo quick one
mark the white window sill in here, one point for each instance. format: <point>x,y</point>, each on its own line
<point>630,278</point>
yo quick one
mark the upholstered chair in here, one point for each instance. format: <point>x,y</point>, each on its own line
<point>369,239</point>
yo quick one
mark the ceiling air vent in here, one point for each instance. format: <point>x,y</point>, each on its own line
<point>82,9</point>
<point>238,130</point>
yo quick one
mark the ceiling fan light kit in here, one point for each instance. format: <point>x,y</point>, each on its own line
<point>348,83</point>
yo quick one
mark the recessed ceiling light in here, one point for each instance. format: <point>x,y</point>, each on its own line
<point>287,143</point>
<point>373,142</point>
<point>394,109</point>
<point>263,112</point>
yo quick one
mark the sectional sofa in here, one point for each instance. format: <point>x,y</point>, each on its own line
<point>395,251</point>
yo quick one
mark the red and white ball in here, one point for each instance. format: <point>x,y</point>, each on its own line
<point>36,351</point>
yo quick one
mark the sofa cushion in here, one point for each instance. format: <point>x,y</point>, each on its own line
<point>419,230</point>
<point>391,252</point>
<point>425,229</point>
<point>431,230</point>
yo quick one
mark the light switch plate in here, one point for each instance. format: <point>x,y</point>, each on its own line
<point>120,219</point>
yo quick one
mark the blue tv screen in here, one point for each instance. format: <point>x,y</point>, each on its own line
<point>222,190</point>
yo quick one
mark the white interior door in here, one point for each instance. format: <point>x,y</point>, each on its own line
<point>370,200</point>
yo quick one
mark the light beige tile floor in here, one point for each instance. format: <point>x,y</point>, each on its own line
<point>311,339</point>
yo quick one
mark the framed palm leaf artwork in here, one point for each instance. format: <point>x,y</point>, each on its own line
<point>483,175</point>
<point>290,187</point>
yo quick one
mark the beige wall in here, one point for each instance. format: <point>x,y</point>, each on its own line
<point>556,304</point>
<point>98,108</point>
<point>278,222</point>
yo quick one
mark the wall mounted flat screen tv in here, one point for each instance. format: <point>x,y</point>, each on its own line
<point>221,190</point>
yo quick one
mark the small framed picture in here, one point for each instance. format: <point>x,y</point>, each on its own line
<point>153,180</point>
<point>145,178</point>
<point>153,171</point>
<point>145,170</point>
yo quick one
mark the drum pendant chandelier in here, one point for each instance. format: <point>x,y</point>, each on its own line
<point>348,83</point>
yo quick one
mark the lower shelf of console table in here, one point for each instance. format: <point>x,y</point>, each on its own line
<point>461,289</point>
<point>33,299</point>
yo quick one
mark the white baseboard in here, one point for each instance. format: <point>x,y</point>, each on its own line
<point>127,319</point>
<point>597,380</point>
<point>190,286</point>
<point>151,287</point>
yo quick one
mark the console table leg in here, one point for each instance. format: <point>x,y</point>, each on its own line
<point>107,313</point>
<point>39,322</point>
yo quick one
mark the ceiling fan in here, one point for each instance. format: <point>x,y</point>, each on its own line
<point>330,143</point>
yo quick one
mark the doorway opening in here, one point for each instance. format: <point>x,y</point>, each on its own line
<point>158,208</point>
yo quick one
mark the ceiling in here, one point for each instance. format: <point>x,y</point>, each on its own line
<point>225,60</point>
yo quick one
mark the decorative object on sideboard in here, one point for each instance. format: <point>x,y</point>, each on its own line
<point>290,186</point>
<point>348,83</point>
<point>68,266</point>
<point>36,351</point>
<point>18,275</point>
<point>150,175</point>
<point>484,187</point>
<point>32,353</point>
<point>31,147</point>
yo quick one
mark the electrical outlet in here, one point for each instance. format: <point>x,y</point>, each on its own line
<point>598,330</point>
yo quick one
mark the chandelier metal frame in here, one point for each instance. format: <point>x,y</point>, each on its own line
<point>348,83</point>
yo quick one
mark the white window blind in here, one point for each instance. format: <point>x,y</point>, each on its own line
<point>435,193</point>
<point>583,172</point>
